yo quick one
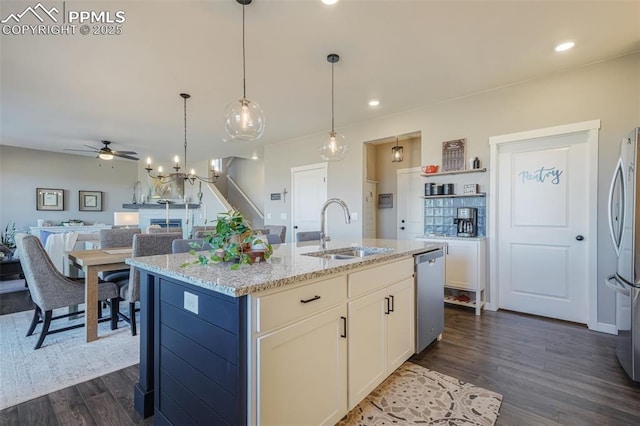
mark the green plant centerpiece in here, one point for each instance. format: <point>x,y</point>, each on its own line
<point>231,241</point>
<point>9,235</point>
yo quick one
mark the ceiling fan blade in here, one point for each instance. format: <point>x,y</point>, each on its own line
<point>79,150</point>
<point>126,152</point>
<point>92,147</point>
<point>128,157</point>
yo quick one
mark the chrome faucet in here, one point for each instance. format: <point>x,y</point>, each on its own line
<point>323,220</point>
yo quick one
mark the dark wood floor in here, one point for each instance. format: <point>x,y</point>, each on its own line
<point>549,372</point>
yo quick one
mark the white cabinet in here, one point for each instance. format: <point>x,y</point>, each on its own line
<point>465,272</point>
<point>303,371</point>
<point>381,336</point>
<point>320,347</point>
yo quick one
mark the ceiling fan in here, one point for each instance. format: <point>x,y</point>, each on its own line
<point>107,153</point>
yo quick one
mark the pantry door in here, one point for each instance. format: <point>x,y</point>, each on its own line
<point>546,215</point>
<point>410,218</point>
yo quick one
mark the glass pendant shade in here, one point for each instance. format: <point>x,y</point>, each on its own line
<point>335,147</point>
<point>244,120</point>
<point>396,154</point>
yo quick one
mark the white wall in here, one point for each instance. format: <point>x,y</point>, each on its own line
<point>24,170</point>
<point>608,91</point>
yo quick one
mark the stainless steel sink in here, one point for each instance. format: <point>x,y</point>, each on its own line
<point>350,252</point>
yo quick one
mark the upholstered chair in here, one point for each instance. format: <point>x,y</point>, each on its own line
<point>203,231</point>
<point>279,230</point>
<point>183,246</point>
<point>50,289</point>
<point>273,238</point>
<point>307,236</point>
<point>172,230</point>
<point>143,245</point>
<point>116,238</point>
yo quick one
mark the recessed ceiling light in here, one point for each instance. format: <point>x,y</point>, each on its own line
<point>565,46</point>
<point>329,1</point>
<point>374,102</point>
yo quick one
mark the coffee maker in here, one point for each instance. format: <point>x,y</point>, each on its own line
<point>467,221</point>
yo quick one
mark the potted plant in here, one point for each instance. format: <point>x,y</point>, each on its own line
<point>9,235</point>
<point>231,242</point>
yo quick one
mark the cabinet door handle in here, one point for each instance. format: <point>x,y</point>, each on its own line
<point>386,299</point>
<point>391,309</point>
<point>310,300</point>
<point>344,325</point>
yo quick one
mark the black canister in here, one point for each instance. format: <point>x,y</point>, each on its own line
<point>439,190</point>
<point>429,188</point>
<point>448,189</point>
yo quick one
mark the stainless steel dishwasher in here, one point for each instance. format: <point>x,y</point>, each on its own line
<point>429,276</point>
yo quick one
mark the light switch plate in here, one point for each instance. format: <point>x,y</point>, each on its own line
<point>191,302</point>
<point>354,216</point>
<point>268,216</point>
<point>283,216</point>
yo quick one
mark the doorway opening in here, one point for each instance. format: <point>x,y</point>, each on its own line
<point>382,198</point>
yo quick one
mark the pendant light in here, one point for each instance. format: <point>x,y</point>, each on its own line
<point>396,153</point>
<point>244,119</point>
<point>335,147</point>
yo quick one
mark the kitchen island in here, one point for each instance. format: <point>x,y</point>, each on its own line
<point>267,344</point>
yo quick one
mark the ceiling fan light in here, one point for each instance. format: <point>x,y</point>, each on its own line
<point>335,147</point>
<point>105,156</point>
<point>244,120</point>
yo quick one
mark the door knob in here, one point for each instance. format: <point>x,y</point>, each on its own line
<point>402,227</point>
<point>295,227</point>
<point>402,221</point>
<point>579,237</point>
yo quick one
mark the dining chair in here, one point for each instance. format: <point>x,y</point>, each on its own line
<point>116,238</point>
<point>307,236</point>
<point>50,289</point>
<point>171,230</point>
<point>143,245</point>
<point>183,246</point>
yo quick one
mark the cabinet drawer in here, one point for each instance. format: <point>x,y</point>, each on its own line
<point>280,308</point>
<point>362,282</point>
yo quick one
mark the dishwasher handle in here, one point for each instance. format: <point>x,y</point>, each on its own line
<point>429,256</point>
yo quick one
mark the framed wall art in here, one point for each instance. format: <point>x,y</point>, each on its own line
<point>49,199</point>
<point>453,155</point>
<point>90,201</point>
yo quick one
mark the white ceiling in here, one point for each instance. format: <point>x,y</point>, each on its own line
<point>62,92</point>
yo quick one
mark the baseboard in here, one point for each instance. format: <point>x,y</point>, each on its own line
<point>606,328</point>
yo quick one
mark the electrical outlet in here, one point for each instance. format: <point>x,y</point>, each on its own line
<point>354,216</point>
<point>191,302</point>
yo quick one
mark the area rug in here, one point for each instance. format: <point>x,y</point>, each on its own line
<point>65,359</point>
<point>417,395</point>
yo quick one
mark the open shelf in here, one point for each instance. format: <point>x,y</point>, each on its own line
<point>471,304</point>
<point>477,194</point>
<point>455,172</point>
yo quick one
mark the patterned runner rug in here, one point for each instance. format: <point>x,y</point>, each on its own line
<point>64,359</point>
<point>417,395</point>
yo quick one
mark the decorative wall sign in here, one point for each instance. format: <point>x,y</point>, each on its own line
<point>49,199</point>
<point>453,155</point>
<point>470,188</point>
<point>275,196</point>
<point>90,201</point>
<point>385,201</point>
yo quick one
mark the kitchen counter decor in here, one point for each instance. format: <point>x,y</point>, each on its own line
<point>232,241</point>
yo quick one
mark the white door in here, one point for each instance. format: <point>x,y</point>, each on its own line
<point>410,215</point>
<point>543,226</point>
<point>308,192</point>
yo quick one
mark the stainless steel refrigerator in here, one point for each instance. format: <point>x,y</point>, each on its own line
<point>624,224</point>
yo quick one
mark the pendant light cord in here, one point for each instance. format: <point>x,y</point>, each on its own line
<point>332,101</point>
<point>244,70</point>
<point>185,136</point>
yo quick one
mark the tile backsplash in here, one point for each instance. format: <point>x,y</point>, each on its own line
<point>440,212</point>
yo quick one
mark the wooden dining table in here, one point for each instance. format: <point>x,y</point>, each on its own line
<point>91,262</point>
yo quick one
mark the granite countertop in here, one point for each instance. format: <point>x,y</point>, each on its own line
<point>287,265</point>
